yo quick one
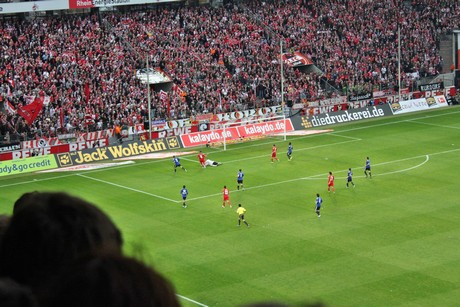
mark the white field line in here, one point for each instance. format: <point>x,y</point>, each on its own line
<point>429,124</point>
<point>126,188</point>
<point>345,136</point>
<point>190,160</point>
<point>192,301</point>
<point>36,180</point>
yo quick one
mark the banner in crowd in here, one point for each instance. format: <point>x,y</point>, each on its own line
<point>437,86</point>
<point>419,104</point>
<point>124,150</point>
<point>340,117</point>
<point>10,146</point>
<point>296,59</point>
<point>364,96</point>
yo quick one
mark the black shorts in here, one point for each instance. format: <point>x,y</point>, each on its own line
<point>241,216</point>
<point>240,181</point>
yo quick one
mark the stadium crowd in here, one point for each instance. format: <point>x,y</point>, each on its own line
<point>83,66</point>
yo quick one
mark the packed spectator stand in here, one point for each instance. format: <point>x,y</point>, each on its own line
<point>82,66</point>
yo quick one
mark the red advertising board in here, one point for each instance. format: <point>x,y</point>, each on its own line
<point>232,133</point>
<point>80,4</point>
<point>272,127</point>
<point>210,136</point>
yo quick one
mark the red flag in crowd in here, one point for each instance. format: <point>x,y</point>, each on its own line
<point>163,95</point>
<point>87,92</point>
<point>31,110</point>
<point>168,107</point>
<point>9,107</point>
<point>8,88</point>
<point>11,82</point>
<point>164,98</point>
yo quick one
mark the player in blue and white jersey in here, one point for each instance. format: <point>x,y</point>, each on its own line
<point>176,161</point>
<point>367,168</point>
<point>350,178</point>
<point>184,193</point>
<point>239,180</point>
<point>289,151</point>
<point>319,201</point>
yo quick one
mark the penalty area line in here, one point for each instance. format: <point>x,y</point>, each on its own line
<point>127,188</point>
<point>190,300</point>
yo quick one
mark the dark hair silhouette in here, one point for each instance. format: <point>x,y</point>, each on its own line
<point>13,294</point>
<point>47,231</point>
<point>4,221</point>
<point>110,280</point>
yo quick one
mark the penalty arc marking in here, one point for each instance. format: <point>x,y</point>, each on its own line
<point>317,177</point>
<point>427,158</point>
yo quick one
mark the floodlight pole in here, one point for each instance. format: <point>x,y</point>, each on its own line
<point>455,47</point>
<point>148,96</point>
<point>284,123</point>
<point>225,139</point>
<point>399,62</point>
<point>282,87</point>
<point>282,74</point>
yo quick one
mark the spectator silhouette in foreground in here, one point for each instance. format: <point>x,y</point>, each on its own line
<point>4,221</point>
<point>110,280</point>
<point>49,230</point>
<point>13,294</point>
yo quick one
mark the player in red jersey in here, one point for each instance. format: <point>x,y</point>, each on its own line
<point>202,157</point>
<point>226,197</point>
<point>330,183</point>
<point>274,149</point>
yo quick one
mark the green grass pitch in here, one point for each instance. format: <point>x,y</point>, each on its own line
<point>394,240</point>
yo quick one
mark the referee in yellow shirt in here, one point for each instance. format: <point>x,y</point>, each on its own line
<point>241,211</point>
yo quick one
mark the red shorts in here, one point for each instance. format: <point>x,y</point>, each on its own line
<point>274,155</point>
<point>226,198</point>
<point>331,184</point>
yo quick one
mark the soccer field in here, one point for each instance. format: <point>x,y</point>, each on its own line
<point>393,240</point>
